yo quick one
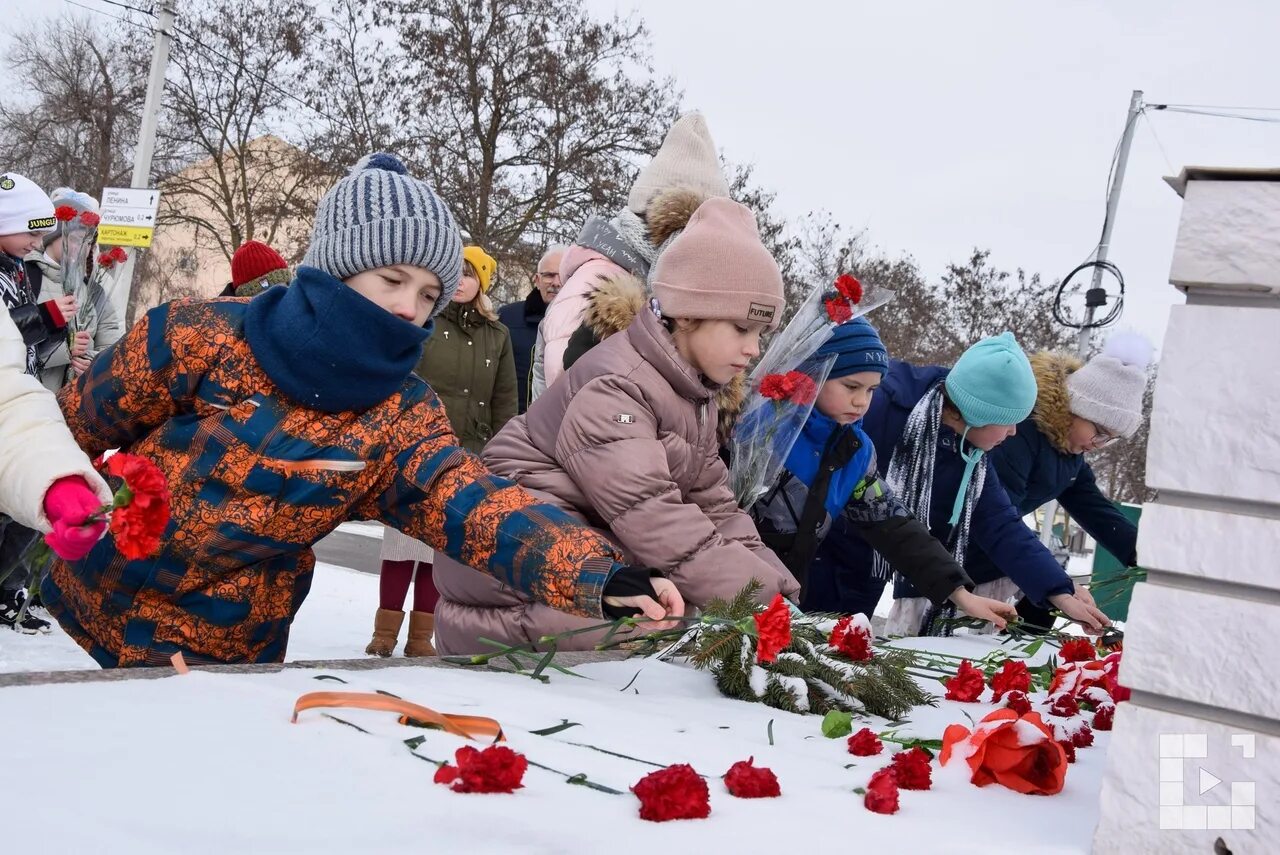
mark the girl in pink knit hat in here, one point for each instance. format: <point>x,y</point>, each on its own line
<point>628,439</point>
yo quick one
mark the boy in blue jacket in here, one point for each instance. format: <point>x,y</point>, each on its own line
<point>931,428</point>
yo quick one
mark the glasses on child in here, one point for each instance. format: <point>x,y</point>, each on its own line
<point>1102,438</point>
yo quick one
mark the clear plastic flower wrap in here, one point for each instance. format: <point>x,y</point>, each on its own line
<point>785,383</point>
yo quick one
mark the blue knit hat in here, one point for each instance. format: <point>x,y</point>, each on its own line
<point>857,347</point>
<point>380,215</point>
<point>992,383</point>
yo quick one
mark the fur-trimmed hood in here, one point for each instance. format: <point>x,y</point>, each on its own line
<point>1052,412</point>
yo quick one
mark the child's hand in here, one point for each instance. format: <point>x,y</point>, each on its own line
<point>81,344</point>
<point>1081,609</point>
<point>997,612</point>
<point>655,597</point>
<point>67,305</point>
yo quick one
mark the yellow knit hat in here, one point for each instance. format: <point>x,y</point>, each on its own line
<point>483,262</point>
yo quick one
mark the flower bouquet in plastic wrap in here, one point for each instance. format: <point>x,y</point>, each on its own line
<point>786,381</point>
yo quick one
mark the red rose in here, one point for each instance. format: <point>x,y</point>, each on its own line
<point>773,626</point>
<point>1018,702</point>
<point>865,743</point>
<point>1068,749</point>
<point>777,387</point>
<point>1013,676</point>
<point>850,288</point>
<point>1083,737</point>
<point>966,685</point>
<point>746,781</point>
<point>676,792</point>
<point>838,309</point>
<point>141,508</point>
<point>1017,752</point>
<point>1104,717</point>
<point>89,219</point>
<point>1063,706</point>
<point>853,639</point>
<point>912,769</point>
<point>496,769</point>
<point>119,255</point>
<point>1078,650</point>
<point>803,388</point>
<point>64,213</point>
<point>882,792</point>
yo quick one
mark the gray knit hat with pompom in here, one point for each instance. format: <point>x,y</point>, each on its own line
<point>380,215</point>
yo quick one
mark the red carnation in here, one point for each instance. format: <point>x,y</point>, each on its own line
<point>105,260</point>
<point>882,792</point>
<point>119,255</point>
<point>852,640</point>
<point>1083,737</point>
<point>1068,749</point>
<point>1018,702</point>
<point>1104,717</point>
<point>64,213</point>
<point>849,287</point>
<point>1013,676</point>
<point>496,769</point>
<point>966,685</point>
<point>838,309</point>
<point>1078,650</point>
<point>676,792</point>
<point>746,781</point>
<point>1063,706</point>
<point>90,220</point>
<point>773,626</point>
<point>865,743</point>
<point>912,769</point>
<point>803,388</point>
<point>778,387</point>
<point>141,508</point>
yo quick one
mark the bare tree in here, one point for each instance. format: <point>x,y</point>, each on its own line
<point>72,117</point>
<point>526,115</point>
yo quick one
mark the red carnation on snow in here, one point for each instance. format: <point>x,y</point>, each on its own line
<point>966,685</point>
<point>1104,717</point>
<point>747,781</point>
<point>64,213</point>
<point>913,770</point>
<point>496,769</point>
<point>773,626</point>
<point>141,508</point>
<point>1013,676</point>
<point>853,639</point>
<point>882,792</point>
<point>1018,702</point>
<point>849,287</point>
<point>1083,737</point>
<point>1068,749</point>
<point>676,792</point>
<point>865,743</point>
<point>838,309</point>
<point>1063,706</point>
<point>1078,650</point>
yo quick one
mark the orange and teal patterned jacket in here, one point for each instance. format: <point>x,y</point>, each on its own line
<point>257,479</point>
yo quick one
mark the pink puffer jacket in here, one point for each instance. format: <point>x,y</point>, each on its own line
<point>581,270</point>
<point>627,440</point>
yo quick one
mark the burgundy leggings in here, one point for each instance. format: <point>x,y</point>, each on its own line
<point>393,586</point>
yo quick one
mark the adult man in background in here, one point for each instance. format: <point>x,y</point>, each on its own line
<point>524,318</point>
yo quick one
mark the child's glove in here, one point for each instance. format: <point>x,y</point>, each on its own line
<point>69,503</point>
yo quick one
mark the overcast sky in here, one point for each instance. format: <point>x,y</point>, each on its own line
<point>940,126</point>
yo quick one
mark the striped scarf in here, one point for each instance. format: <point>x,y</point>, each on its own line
<point>910,476</point>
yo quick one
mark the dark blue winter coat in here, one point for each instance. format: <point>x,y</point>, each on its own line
<point>522,320</point>
<point>1035,467</point>
<point>842,572</point>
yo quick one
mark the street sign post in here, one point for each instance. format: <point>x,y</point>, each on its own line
<point>128,216</point>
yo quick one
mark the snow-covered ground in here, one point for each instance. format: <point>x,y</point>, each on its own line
<point>210,763</point>
<point>334,623</point>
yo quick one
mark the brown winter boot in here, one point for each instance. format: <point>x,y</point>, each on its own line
<point>421,625</point>
<point>386,629</point>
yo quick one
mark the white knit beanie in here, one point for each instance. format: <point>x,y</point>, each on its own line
<point>687,159</point>
<point>1107,390</point>
<point>24,207</point>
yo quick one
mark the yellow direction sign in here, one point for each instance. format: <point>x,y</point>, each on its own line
<point>109,235</point>
<point>128,216</point>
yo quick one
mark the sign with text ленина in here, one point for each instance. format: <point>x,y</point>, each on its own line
<point>128,216</point>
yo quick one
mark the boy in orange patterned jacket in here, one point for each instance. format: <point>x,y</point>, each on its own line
<point>277,418</point>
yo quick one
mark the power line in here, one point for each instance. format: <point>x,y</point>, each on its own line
<point>1218,107</point>
<point>1216,114</point>
<point>108,15</point>
<point>1151,127</point>
<point>130,8</point>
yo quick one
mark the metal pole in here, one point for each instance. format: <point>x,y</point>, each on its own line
<point>1094,299</point>
<point>145,151</point>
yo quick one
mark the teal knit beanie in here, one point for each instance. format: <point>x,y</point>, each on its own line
<point>992,383</point>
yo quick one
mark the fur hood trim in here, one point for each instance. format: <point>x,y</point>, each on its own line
<point>1052,412</point>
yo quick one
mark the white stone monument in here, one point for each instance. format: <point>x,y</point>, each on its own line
<point>1194,762</point>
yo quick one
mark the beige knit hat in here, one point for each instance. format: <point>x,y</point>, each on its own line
<point>1108,389</point>
<point>717,269</point>
<point>687,159</point>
